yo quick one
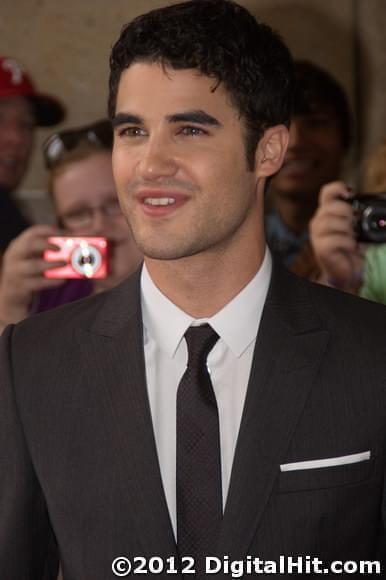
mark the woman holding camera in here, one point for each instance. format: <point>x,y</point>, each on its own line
<point>344,262</point>
<point>85,203</point>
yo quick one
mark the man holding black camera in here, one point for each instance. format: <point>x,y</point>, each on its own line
<point>338,239</point>
<point>319,139</point>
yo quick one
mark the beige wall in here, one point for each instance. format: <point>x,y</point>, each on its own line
<point>66,44</point>
<point>372,38</point>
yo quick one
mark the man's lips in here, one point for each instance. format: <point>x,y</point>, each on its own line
<point>298,166</point>
<point>159,203</point>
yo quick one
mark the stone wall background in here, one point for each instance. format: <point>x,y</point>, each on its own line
<point>66,45</point>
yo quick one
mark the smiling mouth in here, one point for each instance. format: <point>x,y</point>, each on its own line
<point>156,201</point>
<point>303,164</point>
<point>160,204</point>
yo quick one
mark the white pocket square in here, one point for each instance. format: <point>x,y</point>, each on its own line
<point>329,462</point>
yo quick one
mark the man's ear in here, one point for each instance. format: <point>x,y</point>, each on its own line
<point>271,150</point>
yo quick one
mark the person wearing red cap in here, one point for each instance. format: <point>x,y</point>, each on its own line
<point>22,108</point>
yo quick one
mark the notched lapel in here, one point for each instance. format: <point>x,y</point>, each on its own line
<point>115,345</point>
<point>289,348</point>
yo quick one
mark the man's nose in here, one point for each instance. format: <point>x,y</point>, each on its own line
<point>297,133</point>
<point>158,159</point>
<point>14,134</point>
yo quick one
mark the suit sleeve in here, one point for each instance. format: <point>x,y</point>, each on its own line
<point>27,547</point>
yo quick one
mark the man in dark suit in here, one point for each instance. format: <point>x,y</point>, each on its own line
<point>111,448</point>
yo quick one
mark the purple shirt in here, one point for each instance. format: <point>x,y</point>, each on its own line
<point>68,292</point>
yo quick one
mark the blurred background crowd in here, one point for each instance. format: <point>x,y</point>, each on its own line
<point>55,146</point>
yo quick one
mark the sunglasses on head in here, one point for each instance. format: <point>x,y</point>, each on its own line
<point>99,133</point>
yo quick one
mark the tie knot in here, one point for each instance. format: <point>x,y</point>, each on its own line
<point>200,341</point>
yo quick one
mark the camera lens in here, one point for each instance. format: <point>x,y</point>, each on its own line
<point>374,223</point>
<point>86,259</point>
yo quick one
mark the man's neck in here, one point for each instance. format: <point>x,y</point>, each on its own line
<point>202,285</point>
<point>296,214</point>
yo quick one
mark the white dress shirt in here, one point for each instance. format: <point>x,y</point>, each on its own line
<point>229,364</point>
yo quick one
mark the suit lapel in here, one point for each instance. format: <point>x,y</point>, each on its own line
<point>289,348</point>
<point>115,341</point>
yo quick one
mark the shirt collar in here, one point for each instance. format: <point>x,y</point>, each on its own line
<point>236,323</point>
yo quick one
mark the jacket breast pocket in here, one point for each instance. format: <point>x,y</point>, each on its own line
<point>326,477</point>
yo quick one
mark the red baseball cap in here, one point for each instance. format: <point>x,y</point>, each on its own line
<point>14,82</point>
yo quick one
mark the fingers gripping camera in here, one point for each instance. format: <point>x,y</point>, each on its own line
<point>84,257</point>
<point>370,217</point>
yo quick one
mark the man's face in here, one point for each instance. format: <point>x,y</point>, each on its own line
<point>179,163</point>
<point>314,156</point>
<point>16,138</point>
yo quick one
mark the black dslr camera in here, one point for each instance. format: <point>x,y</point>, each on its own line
<point>370,217</point>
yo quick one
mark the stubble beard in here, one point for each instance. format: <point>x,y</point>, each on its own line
<point>210,238</point>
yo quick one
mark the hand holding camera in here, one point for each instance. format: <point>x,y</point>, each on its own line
<point>37,260</point>
<point>22,272</point>
<point>83,257</point>
<point>333,234</point>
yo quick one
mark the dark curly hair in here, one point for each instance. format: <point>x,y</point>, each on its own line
<point>315,87</point>
<point>223,41</point>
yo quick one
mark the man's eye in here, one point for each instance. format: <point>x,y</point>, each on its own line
<point>192,131</point>
<point>319,121</point>
<point>132,132</point>
<point>77,214</point>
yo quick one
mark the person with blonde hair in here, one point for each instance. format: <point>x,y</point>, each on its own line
<point>375,170</point>
<point>86,204</point>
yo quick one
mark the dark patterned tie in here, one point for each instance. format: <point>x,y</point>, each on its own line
<point>199,493</point>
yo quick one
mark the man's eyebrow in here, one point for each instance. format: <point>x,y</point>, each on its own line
<point>195,116</point>
<point>123,118</point>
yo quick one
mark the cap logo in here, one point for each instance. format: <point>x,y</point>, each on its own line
<point>15,69</point>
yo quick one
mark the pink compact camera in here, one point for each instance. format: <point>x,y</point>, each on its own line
<point>85,257</point>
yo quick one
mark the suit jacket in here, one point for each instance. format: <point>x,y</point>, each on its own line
<point>78,458</point>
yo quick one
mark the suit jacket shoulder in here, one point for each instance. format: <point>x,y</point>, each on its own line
<point>302,302</point>
<point>104,313</point>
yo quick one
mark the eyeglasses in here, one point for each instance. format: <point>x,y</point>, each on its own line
<point>99,133</point>
<point>83,217</point>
